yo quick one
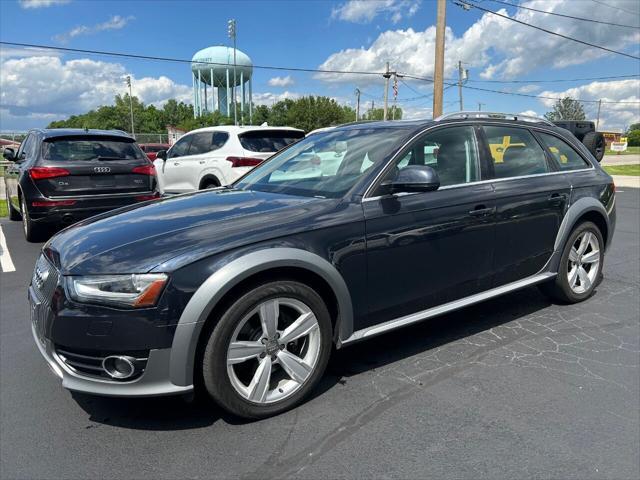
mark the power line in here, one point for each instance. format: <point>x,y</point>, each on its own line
<point>502,92</point>
<point>565,16</point>
<point>180,60</point>
<point>613,77</point>
<point>615,8</point>
<point>293,69</point>
<point>467,4</point>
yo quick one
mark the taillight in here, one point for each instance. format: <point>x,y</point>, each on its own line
<point>39,173</point>
<point>244,161</point>
<point>145,170</point>
<point>144,198</point>
<point>53,203</point>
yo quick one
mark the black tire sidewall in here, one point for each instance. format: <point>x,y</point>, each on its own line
<point>214,367</point>
<point>563,281</point>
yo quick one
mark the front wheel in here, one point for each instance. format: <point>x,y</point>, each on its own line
<point>269,350</point>
<point>580,265</point>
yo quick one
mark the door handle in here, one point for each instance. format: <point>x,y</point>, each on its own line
<point>176,163</point>
<point>481,211</point>
<point>556,198</point>
<point>201,162</point>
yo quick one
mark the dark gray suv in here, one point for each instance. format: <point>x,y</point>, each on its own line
<point>243,291</point>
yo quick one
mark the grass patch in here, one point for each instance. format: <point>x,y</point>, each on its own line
<point>628,151</point>
<point>3,209</point>
<point>623,170</point>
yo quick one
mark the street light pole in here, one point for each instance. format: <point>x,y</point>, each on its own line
<point>133,133</point>
<point>357,104</point>
<point>232,34</point>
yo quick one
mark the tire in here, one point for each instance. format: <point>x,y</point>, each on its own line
<point>32,232</point>
<point>259,380</point>
<point>209,183</point>
<point>594,141</point>
<point>573,286</point>
<point>13,213</point>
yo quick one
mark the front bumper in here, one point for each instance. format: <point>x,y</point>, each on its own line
<point>154,381</point>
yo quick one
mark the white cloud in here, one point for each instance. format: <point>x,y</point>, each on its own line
<point>612,115</point>
<point>46,88</point>
<point>116,22</point>
<point>41,3</point>
<point>21,52</point>
<point>281,81</point>
<point>269,98</point>
<point>364,11</point>
<point>528,89</point>
<point>529,113</point>
<point>498,47</point>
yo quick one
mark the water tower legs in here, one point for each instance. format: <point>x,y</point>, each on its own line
<point>250,103</point>
<point>241,98</point>
<point>228,112</point>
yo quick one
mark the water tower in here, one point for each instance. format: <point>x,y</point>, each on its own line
<point>213,74</point>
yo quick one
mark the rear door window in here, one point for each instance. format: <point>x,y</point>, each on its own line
<point>566,157</point>
<point>515,152</point>
<point>87,148</point>
<point>268,141</point>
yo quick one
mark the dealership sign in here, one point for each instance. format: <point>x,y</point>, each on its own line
<point>620,146</point>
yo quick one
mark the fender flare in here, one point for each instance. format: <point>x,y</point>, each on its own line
<point>577,210</point>
<point>214,288</point>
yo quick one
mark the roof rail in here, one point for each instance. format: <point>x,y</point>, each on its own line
<point>497,115</point>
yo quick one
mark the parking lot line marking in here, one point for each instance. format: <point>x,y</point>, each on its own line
<point>5,257</point>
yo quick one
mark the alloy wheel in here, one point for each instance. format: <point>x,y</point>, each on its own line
<point>273,350</point>
<point>584,262</point>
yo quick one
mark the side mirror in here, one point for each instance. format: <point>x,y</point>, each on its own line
<point>162,155</point>
<point>414,178</point>
<point>9,154</point>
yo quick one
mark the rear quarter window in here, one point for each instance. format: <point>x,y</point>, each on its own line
<point>267,141</point>
<point>565,156</point>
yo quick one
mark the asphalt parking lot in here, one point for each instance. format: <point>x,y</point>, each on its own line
<point>512,388</point>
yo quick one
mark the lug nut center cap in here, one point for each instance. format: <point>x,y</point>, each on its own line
<point>272,347</point>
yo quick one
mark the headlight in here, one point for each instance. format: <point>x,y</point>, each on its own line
<point>136,291</point>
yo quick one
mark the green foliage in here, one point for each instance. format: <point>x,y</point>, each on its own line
<point>633,127</point>
<point>633,138</point>
<point>566,109</point>
<point>306,113</point>
<point>378,113</point>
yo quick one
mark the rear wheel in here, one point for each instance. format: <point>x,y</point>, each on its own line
<point>209,183</point>
<point>32,231</point>
<point>580,266</point>
<point>269,350</point>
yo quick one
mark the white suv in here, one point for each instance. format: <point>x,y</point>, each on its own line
<point>216,156</point>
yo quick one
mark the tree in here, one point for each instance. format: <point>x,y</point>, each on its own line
<point>378,113</point>
<point>633,127</point>
<point>633,138</point>
<point>566,109</point>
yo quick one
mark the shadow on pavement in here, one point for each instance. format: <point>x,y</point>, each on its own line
<point>181,413</point>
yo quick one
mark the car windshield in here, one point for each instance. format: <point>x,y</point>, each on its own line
<point>89,148</point>
<point>325,164</point>
<point>268,141</point>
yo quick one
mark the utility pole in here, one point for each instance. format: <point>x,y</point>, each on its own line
<point>598,118</point>
<point>133,133</point>
<point>386,76</point>
<point>395,95</point>
<point>460,74</point>
<point>231,27</point>
<point>480,104</point>
<point>438,73</point>
<point>357,104</point>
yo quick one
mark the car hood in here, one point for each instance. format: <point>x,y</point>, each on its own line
<point>140,238</point>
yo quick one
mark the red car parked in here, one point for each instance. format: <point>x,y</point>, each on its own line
<point>152,149</point>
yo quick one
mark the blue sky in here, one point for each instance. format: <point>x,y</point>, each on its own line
<point>37,87</point>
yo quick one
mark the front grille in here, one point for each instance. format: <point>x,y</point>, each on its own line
<point>90,363</point>
<point>45,279</point>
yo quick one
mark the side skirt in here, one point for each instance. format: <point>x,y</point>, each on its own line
<point>446,308</point>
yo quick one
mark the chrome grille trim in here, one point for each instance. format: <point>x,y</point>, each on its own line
<point>45,279</point>
<point>91,365</point>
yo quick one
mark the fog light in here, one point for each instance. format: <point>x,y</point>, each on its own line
<point>119,366</point>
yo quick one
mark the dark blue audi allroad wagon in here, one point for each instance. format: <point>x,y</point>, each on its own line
<point>243,291</point>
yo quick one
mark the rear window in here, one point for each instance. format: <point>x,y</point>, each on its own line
<point>90,148</point>
<point>269,140</point>
<point>153,148</point>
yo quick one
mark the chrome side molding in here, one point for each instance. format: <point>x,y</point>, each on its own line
<point>446,308</point>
